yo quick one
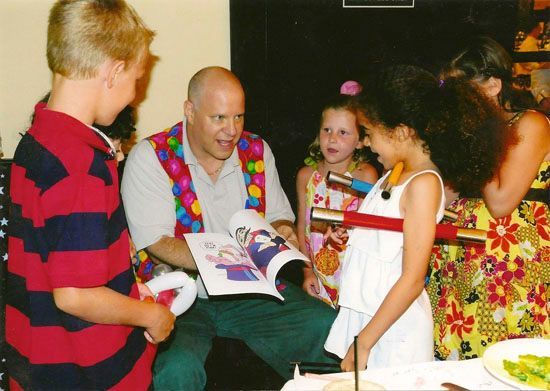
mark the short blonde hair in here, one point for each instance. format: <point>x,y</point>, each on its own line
<point>83,34</point>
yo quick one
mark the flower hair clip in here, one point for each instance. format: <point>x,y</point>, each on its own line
<point>351,88</point>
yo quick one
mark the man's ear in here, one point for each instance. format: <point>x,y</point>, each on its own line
<point>189,111</point>
<point>113,71</point>
<point>492,87</point>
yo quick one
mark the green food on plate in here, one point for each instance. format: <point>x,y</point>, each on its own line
<point>530,369</point>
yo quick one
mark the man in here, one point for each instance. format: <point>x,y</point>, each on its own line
<point>211,150</point>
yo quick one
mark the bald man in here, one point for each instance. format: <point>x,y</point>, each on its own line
<point>210,150</point>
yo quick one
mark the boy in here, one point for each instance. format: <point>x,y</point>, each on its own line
<point>73,307</point>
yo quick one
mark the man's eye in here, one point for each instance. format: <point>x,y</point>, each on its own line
<point>239,117</point>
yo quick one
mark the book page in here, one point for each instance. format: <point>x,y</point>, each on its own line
<point>265,247</point>
<point>224,266</point>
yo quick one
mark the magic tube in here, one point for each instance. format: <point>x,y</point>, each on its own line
<point>356,219</point>
<point>352,183</point>
<point>365,187</point>
<point>392,180</point>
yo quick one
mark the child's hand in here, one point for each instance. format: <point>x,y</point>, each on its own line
<point>311,283</point>
<point>336,236</point>
<point>163,324</point>
<point>348,363</point>
<point>144,291</point>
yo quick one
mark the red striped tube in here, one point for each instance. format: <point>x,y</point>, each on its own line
<point>356,219</point>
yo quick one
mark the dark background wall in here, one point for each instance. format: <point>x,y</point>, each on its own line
<point>293,54</point>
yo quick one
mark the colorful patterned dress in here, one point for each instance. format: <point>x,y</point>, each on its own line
<point>482,294</point>
<point>327,260</point>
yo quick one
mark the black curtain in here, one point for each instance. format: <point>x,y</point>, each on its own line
<point>293,54</point>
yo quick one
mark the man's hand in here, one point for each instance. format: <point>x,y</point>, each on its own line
<point>287,230</point>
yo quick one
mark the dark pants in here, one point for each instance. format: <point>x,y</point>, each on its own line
<point>294,330</point>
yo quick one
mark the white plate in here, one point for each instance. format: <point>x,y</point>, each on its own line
<point>510,350</point>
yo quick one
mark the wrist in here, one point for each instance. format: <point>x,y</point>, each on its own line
<point>308,271</point>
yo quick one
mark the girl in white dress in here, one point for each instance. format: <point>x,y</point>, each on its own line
<point>408,117</point>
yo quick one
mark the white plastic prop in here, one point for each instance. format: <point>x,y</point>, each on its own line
<point>173,280</point>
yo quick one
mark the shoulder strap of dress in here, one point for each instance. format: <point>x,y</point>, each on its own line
<point>422,172</point>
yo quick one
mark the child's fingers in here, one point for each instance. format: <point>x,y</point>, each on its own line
<point>149,338</point>
<point>144,292</point>
<point>313,289</point>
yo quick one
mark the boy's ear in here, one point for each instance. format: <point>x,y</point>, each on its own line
<point>189,110</point>
<point>114,70</point>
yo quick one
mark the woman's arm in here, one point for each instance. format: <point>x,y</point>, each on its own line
<point>419,203</point>
<point>520,166</point>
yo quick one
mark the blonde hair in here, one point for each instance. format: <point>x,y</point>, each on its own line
<point>83,34</point>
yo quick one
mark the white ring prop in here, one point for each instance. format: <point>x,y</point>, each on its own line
<point>172,280</point>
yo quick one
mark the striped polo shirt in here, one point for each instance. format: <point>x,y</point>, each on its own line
<point>68,229</point>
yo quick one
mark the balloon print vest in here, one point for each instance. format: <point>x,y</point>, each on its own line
<point>169,150</point>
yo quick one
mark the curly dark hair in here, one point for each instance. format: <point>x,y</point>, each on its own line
<point>460,127</point>
<point>338,102</point>
<point>482,59</point>
<point>122,127</point>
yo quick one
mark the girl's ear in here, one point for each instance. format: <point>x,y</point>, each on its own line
<point>403,132</point>
<point>492,86</point>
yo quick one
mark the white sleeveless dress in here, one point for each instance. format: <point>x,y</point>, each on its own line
<point>373,263</point>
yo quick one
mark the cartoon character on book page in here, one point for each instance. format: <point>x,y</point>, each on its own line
<point>235,263</point>
<point>261,246</point>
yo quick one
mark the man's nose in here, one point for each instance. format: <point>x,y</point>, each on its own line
<point>231,128</point>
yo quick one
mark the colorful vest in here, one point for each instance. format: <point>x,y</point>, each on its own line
<point>169,150</point>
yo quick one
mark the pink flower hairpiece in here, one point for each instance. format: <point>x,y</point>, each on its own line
<point>351,88</point>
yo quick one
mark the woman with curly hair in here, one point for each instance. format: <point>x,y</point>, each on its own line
<point>482,294</point>
<point>408,117</point>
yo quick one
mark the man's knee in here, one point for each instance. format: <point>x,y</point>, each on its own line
<point>179,371</point>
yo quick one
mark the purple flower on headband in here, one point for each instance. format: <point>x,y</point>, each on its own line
<point>441,82</point>
<point>350,88</point>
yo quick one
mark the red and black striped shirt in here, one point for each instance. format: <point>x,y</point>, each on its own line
<point>68,229</point>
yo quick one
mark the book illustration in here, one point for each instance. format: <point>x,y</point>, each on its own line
<point>261,245</point>
<point>245,261</point>
<point>233,260</point>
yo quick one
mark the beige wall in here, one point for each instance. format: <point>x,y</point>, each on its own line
<point>191,34</point>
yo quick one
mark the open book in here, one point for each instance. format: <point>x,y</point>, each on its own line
<point>245,261</point>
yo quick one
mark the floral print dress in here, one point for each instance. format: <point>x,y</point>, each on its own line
<point>485,293</point>
<point>327,260</point>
